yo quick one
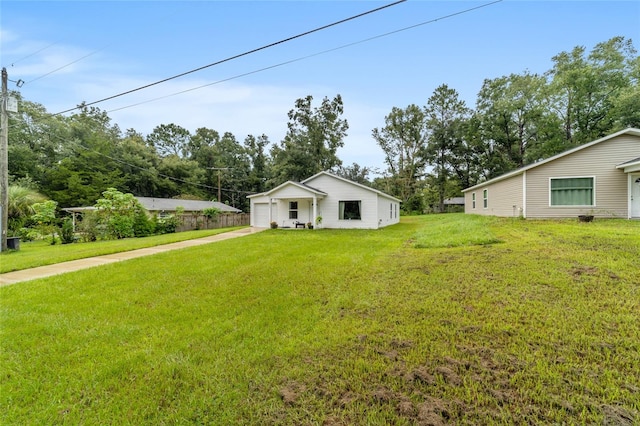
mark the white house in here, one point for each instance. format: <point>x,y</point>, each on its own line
<point>600,178</point>
<point>339,202</point>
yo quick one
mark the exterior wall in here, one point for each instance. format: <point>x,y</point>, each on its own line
<point>375,207</point>
<point>600,160</point>
<point>388,211</point>
<point>280,212</point>
<point>337,191</point>
<point>504,198</point>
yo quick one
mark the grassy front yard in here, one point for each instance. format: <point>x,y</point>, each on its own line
<point>509,322</point>
<point>41,253</point>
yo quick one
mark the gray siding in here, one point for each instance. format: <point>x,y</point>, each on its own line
<point>504,198</point>
<point>600,160</point>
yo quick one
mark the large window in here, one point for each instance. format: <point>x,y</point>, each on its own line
<point>293,209</point>
<point>349,210</point>
<point>574,191</point>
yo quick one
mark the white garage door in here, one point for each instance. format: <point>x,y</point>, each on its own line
<point>260,215</point>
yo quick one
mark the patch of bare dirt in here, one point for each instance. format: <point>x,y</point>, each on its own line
<point>291,392</point>
<point>617,416</point>
<point>450,376</point>
<point>421,374</point>
<point>580,270</point>
<point>433,412</point>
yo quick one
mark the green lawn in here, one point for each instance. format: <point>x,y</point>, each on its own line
<point>41,253</point>
<point>525,322</point>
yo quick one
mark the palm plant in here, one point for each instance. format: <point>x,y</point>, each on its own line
<point>20,207</point>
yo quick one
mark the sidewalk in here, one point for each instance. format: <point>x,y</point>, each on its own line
<point>75,265</point>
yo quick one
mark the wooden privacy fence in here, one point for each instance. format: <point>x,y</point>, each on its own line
<point>192,221</point>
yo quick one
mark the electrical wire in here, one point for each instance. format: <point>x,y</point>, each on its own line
<point>264,69</point>
<point>236,56</point>
<point>72,62</point>
<point>344,46</point>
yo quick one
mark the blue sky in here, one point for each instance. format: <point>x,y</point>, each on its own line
<point>99,49</point>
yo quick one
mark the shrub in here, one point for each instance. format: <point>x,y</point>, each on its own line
<point>166,225</point>
<point>211,212</point>
<point>274,225</point>
<point>88,228</point>
<point>118,213</point>
<point>142,225</point>
<point>66,231</point>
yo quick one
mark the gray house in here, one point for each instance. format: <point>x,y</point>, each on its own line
<point>600,178</point>
<point>169,205</point>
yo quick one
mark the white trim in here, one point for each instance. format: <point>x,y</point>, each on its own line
<point>485,198</point>
<point>630,182</point>
<point>629,131</point>
<point>573,205</point>
<point>630,166</point>
<point>524,194</point>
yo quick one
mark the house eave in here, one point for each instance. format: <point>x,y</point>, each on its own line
<point>628,131</point>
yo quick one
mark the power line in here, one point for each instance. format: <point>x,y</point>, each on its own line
<point>79,144</point>
<point>238,56</point>
<point>344,46</point>
<point>76,60</point>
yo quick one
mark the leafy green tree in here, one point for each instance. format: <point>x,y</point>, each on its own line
<point>138,165</point>
<point>626,106</point>
<point>312,140</point>
<point>36,140</point>
<point>45,218</point>
<point>119,212</point>
<point>170,139</point>
<point>403,140</point>
<point>179,176</point>
<point>89,166</point>
<point>355,173</point>
<point>446,115</point>
<point>585,86</point>
<point>258,161</point>
<point>515,117</point>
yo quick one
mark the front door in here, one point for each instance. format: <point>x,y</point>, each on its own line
<point>635,195</point>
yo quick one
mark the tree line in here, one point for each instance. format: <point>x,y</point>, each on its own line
<point>431,152</point>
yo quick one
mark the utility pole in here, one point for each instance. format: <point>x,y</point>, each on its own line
<point>219,169</point>
<point>4,160</point>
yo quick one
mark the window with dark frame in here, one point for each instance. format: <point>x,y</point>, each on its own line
<point>349,210</point>
<point>473,200</point>
<point>293,209</point>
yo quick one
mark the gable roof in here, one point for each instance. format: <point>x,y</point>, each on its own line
<point>287,183</point>
<point>629,131</point>
<point>170,204</point>
<point>352,183</point>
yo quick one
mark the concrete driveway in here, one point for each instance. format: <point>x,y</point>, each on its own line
<point>76,265</point>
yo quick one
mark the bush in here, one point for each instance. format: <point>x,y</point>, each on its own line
<point>66,231</point>
<point>88,228</point>
<point>166,225</point>
<point>142,225</point>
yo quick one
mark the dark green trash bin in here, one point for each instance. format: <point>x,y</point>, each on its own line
<point>13,243</point>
